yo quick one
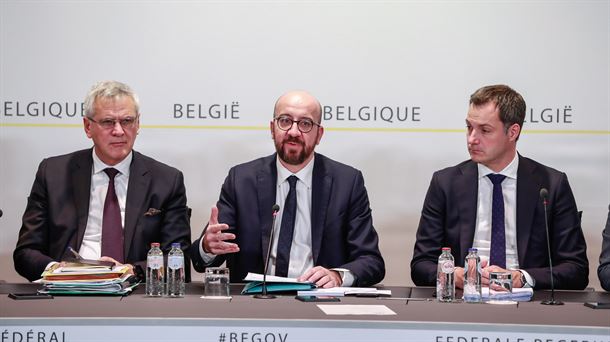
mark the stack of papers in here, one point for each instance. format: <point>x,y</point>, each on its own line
<point>518,295</point>
<point>73,279</point>
<point>274,284</point>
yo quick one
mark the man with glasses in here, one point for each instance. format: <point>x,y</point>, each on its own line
<point>324,230</point>
<point>108,202</point>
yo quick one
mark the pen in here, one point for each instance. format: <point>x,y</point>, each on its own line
<point>76,255</point>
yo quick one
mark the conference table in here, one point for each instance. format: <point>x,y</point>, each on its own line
<point>243,318</point>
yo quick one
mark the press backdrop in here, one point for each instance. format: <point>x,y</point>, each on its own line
<point>394,78</point>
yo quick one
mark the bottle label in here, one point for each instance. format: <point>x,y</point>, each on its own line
<point>447,266</point>
<point>175,262</point>
<point>154,262</point>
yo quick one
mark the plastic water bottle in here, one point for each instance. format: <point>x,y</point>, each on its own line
<point>175,272</point>
<point>445,282</point>
<point>155,280</point>
<point>472,277</point>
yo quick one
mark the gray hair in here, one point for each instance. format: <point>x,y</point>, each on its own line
<point>109,90</point>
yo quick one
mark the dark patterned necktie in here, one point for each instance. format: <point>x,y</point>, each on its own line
<point>112,228</point>
<point>286,229</point>
<point>497,253</point>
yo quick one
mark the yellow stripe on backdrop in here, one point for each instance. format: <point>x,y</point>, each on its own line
<point>344,129</point>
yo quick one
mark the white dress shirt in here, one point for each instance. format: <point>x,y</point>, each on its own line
<point>91,248</point>
<point>301,258</point>
<point>482,236</point>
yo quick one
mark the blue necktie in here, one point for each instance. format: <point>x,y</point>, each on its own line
<point>497,253</point>
<point>286,229</point>
<point>112,228</point>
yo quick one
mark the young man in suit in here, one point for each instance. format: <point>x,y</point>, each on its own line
<point>74,204</point>
<point>492,202</point>
<point>326,237</point>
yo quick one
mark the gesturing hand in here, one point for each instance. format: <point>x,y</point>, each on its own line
<point>214,240</point>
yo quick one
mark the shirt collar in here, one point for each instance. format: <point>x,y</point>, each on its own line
<point>305,175</point>
<point>123,166</point>
<point>510,171</point>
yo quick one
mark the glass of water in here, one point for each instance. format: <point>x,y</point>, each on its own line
<point>216,282</point>
<point>500,286</point>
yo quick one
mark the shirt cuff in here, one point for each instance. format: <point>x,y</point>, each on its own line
<point>347,277</point>
<point>528,280</point>
<point>207,257</point>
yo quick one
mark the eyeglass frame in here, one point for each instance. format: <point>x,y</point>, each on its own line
<point>286,116</point>
<point>101,123</point>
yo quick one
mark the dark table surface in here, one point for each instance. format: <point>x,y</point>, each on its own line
<point>572,313</point>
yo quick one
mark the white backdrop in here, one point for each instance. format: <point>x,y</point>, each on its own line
<point>413,62</point>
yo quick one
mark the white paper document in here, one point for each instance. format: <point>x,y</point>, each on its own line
<point>270,278</point>
<point>341,309</point>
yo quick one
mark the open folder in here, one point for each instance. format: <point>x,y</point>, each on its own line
<point>274,284</point>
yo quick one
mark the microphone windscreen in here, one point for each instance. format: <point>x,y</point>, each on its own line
<point>544,193</point>
<point>275,208</point>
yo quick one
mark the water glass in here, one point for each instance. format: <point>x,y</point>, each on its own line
<point>500,286</point>
<point>216,282</point>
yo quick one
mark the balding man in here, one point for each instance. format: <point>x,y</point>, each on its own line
<point>327,237</point>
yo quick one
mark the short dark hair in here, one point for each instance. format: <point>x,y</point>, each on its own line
<point>509,103</point>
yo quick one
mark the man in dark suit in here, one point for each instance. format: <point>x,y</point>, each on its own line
<point>505,221</point>
<point>603,271</point>
<point>326,238</point>
<point>74,204</point>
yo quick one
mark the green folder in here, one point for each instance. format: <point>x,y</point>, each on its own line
<point>255,287</point>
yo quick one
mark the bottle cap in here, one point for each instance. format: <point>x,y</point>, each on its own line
<point>176,245</point>
<point>155,244</point>
<point>446,248</point>
<point>472,250</point>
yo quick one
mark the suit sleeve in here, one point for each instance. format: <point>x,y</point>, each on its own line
<point>226,214</point>
<point>31,253</point>
<point>603,271</point>
<point>430,236</point>
<point>364,258</point>
<point>568,247</point>
<point>175,227</point>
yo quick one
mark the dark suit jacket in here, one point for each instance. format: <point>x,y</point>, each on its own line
<point>342,226</point>
<point>58,206</point>
<point>603,271</point>
<point>449,217</point>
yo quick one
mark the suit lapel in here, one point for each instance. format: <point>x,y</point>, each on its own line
<point>81,187</point>
<point>266,182</point>
<point>467,190</point>
<point>527,196</point>
<point>137,190</point>
<point>321,189</point>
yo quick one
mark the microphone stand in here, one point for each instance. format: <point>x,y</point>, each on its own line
<point>544,193</point>
<point>263,294</point>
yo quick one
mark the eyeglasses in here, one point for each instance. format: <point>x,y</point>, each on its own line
<point>285,122</point>
<point>126,123</point>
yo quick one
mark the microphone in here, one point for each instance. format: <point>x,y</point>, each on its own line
<point>263,294</point>
<point>544,196</point>
<point>0,212</point>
